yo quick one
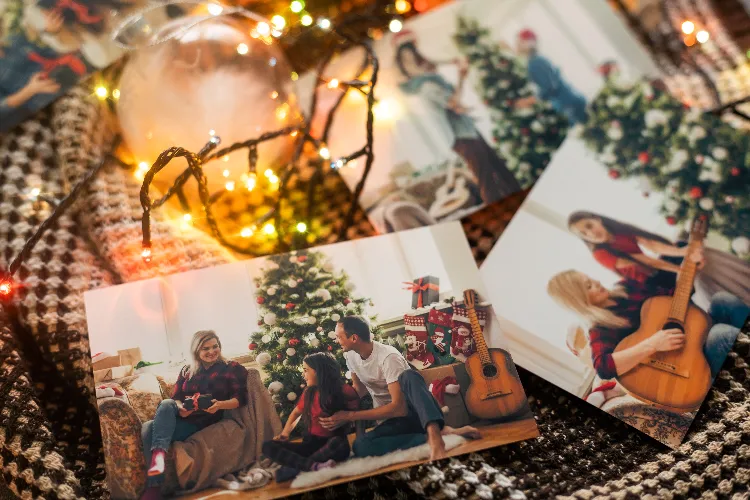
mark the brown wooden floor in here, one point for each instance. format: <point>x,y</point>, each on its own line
<point>494,435</point>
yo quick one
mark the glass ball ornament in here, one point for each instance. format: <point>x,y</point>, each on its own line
<point>202,75</point>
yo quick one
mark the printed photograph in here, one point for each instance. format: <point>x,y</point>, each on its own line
<point>283,374</point>
<point>473,100</point>
<point>630,259</point>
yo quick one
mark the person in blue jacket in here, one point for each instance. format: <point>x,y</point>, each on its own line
<point>552,87</point>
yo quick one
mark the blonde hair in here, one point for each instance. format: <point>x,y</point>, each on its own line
<point>199,338</point>
<point>568,289</point>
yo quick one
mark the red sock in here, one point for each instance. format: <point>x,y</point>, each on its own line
<point>157,462</point>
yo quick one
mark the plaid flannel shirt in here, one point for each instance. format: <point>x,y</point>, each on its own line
<point>603,340</point>
<point>223,380</point>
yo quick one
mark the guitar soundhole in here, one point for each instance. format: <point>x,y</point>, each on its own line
<point>489,371</point>
<point>674,324</point>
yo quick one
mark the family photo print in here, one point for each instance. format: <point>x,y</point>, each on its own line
<point>282,374</point>
<point>473,100</point>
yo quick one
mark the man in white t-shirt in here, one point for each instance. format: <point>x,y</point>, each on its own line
<point>407,413</point>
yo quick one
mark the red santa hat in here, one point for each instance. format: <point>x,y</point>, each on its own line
<point>402,37</point>
<point>527,37</point>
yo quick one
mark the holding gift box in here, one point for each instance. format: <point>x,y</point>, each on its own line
<point>425,291</point>
<point>198,401</point>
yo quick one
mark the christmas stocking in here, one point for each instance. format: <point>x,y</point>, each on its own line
<point>439,388</point>
<point>439,336</point>
<point>416,343</point>
<point>462,342</point>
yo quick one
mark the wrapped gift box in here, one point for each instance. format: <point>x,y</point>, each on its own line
<point>425,291</point>
<point>457,415</point>
<point>130,356</point>
<point>112,373</point>
<point>103,362</point>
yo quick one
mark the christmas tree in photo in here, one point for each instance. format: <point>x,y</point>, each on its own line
<point>630,125</point>
<point>300,298</point>
<point>698,161</point>
<point>526,136</point>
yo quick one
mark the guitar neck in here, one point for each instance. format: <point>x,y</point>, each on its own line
<point>476,332</point>
<point>684,288</point>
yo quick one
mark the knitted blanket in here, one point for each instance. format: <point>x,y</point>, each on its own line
<point>50,442</point>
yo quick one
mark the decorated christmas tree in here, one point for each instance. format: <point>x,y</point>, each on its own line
<point>630,125</point>
<point>525,136</point>
<point>300,297</point>
<point>697,160</point>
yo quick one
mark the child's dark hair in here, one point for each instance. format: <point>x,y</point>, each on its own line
<point>330,386</point>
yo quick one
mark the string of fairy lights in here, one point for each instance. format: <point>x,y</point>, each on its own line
<point>276,181</point>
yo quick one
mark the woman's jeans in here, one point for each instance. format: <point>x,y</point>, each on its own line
<point>728,314</point>
<point>166,427</point>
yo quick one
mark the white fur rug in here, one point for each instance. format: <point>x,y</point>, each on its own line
<point>365,465</point>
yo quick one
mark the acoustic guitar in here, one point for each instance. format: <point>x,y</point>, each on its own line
<point>495,390</point>
<point>676,380</point>
<point>450,196</point>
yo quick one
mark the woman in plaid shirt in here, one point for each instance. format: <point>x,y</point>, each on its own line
<point>209,373</point>
<point>614,314</point>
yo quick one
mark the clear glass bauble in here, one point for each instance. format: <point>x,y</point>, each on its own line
<point>193,77</point>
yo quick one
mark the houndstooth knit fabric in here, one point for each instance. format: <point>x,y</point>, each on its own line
<point>50,442</point>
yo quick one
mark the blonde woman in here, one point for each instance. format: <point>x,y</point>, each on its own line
<point>209,373</point>
<point>614,314</point>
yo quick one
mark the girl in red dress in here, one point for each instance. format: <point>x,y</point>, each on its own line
<point>326,394</point>
<point>619,246</point>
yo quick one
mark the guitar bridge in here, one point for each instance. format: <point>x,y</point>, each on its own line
<point>666,367</point>
<point>495,394</point>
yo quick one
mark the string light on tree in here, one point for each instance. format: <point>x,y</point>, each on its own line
<point>324,23</point>
<point>702,36</point>
<point>269,229</point>
<point>688,27</point>
<point>402,6</point>
<point>251,181</point>
<point>243,49</point>
<point>101,92</point>
<point>395,25</point>
<point>229,186</point>
<point>301,227</point>
<point>297,6</point>
<point>263,29</point>
<point>278,22</point>
<point>306,20</point>
<point>246,232</point>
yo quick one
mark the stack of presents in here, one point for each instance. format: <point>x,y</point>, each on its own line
<point>435,338</point>
<point>108,366</point>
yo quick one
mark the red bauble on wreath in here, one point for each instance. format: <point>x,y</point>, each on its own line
<point>333,283</point>
<point>279,356</point>
<point>330,348</point>
<point>643,157</point>
<point>293,342</point>
<point>260,300</point>
<point>671,220</point>
<point>289,306</point>
<point>735,171</point>
<point>614,174</point>
<point>302,258</point>
<point>253,346</point>
<point>347,301</point>
<point>260,322</point>
<point>696,193</point>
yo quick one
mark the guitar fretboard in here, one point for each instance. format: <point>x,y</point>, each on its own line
<point>684,288</point>
<point>476,332</point>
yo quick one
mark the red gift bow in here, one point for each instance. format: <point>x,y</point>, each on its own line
<point>419,287</point>
<point>81,11</point>
<point>195,400</point>
<point>68,60</point>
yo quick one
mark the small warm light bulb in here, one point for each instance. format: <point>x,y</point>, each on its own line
<point>225,158</point>
<point>352,164</point>
<point>143,166</point>
<point>215,9</point>
<point>243,49</point>
<point>338,164</point>
<point>281,112</point>
<point>264,29</point>
<point>212,132</point>
<point>274,95</point>
<point>34,193</point>
<point>139,174</point>
<point>395,26</point>
<point>250,182</point>
<point>273,179</point>
<point>146,254</point>
<point>301,227</point>
<point>324,23</point>
<point>246,232</point>
<point>225,173</point>
<point>294,134</point>
<point>269,228</point>
<point>702,36</point>
<point>688,27</point>
<point>101,92</point>
<point>268,173</point>
<point>116,93</point>
<point>278,22</point>
<point>229,185</point>
<point>324,153</point>
<point>306,20</point>
<point>187,217</point>
<point>402,6</point>
<point>296,6</point>
<point>295,76</point>
<point>333,84</point>
<point>5,288</point>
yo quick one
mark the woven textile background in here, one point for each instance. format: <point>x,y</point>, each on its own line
<point>50,445</point>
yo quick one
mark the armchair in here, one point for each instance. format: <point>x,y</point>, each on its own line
<point>192,465</point>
